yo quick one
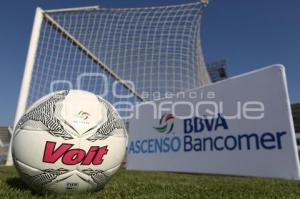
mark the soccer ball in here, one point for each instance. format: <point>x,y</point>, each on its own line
<point>69,141</point>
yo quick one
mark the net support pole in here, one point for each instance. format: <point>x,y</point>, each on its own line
<point>25,86</point>
<point>91,55</point>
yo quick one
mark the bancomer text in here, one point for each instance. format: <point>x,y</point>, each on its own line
<point>191,140</point>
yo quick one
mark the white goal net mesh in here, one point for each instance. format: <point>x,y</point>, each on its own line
<point>156,48</point>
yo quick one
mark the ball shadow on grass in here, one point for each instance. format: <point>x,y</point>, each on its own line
<point>18,184</point>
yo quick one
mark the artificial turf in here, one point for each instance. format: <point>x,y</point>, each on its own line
<point>137,184</point>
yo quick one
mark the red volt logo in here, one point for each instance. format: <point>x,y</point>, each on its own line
<point>73,156</point>
<point>166,124</point>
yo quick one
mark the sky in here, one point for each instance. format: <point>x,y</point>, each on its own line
<point>249,34</point>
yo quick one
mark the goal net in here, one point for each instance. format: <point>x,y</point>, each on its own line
<point>125,55</point>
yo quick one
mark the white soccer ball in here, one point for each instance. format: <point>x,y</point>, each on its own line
<point>69,141</point>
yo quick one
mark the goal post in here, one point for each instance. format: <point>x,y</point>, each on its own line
<point>25,86</point>
<point>33,45</point>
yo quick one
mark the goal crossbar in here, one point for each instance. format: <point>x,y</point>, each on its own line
<point>87,8</point>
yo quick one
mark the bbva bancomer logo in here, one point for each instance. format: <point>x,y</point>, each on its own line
<point>203,134</point>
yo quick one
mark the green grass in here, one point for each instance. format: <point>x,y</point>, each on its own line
<point>133,184</point>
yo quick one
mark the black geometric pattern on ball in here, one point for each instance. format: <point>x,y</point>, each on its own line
<point>47,176</point>
<point>98,176</point>
<point>112,123</point>
<point>44,113</point>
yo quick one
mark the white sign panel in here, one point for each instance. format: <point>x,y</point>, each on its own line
<point>239,126</point>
